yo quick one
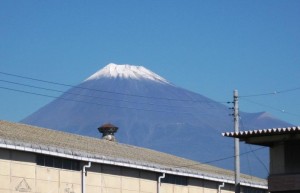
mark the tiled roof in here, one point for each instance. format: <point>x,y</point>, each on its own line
<point>263,132</point>
<point>43,140</point>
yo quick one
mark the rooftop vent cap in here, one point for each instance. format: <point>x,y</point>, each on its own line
<point>108,130</point>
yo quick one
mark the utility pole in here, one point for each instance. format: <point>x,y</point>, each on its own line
<point>236,142</point>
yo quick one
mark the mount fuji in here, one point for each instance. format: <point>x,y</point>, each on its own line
<point>151,112</point>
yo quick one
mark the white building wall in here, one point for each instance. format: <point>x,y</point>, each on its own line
<point>20,173</point>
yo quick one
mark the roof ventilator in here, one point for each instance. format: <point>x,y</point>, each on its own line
<point>108,130</point>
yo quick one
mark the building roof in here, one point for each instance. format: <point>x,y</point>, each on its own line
<point>266,137</point>
<point>40,140</point>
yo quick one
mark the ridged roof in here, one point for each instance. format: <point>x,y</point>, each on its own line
<point>31,137</point>
<point>263,132</point>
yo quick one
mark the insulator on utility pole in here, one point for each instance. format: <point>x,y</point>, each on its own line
<point>236,142</point>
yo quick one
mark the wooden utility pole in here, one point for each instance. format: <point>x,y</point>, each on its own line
<point>236,142</point>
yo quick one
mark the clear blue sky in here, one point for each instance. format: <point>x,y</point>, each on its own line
<point>209,47</point>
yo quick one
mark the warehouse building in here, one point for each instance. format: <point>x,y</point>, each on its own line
<point>40,160</point>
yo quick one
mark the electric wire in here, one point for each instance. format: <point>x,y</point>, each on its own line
<point>61,98</point>
<point>82,95</point>
<point>67,99</point>
<point>220,159</point>
<point>262,163</point>
<point>270,93</point>
<point>249,166</point>
<point>246,98</point>
<point>104,91</point>
<point>141,96</point>
<point>89,96</point>
<point>73,100</point>
<point>92,103</point>
<point>271,107</point>
<point>161,98</point>
<point>249,145</point>
<point>231,157</point>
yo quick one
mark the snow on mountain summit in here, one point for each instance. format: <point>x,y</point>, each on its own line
<point>126,71</point>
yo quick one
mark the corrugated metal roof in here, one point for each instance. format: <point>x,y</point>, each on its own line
<point>262,132</point>
<point>40,140</point>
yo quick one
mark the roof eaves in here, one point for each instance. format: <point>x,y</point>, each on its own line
<point>262,132</point>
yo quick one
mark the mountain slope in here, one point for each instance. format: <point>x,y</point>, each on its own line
<point>150,112</point>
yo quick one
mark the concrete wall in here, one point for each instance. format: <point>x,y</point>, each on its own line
<point>285,167</point>
<point>285,158</point>
<point>292,157</point>
<point>19,173</point>
<point>277,159</point>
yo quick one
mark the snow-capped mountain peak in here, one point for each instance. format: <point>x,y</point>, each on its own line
<point>126,71</point>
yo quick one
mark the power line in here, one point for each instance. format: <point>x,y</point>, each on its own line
<point>72,86</point>
<point>251,150</point>
<point>97,97</point>
<point>241,154</point>
<point>262,163</point>
<point>67,99</point>
<point>271,93</point>
<point>271,107</point>
<point>104,91</point>
<point>220,159</point>
<point>93,103</point>
<point>249,166</point>
<point>89,96</point>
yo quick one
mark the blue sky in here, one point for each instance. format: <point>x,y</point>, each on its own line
<point>209,47</point>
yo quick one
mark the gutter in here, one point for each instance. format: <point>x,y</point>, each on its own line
<point>159,181</point>
<point>221,186</point>
<point>83,176</point>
